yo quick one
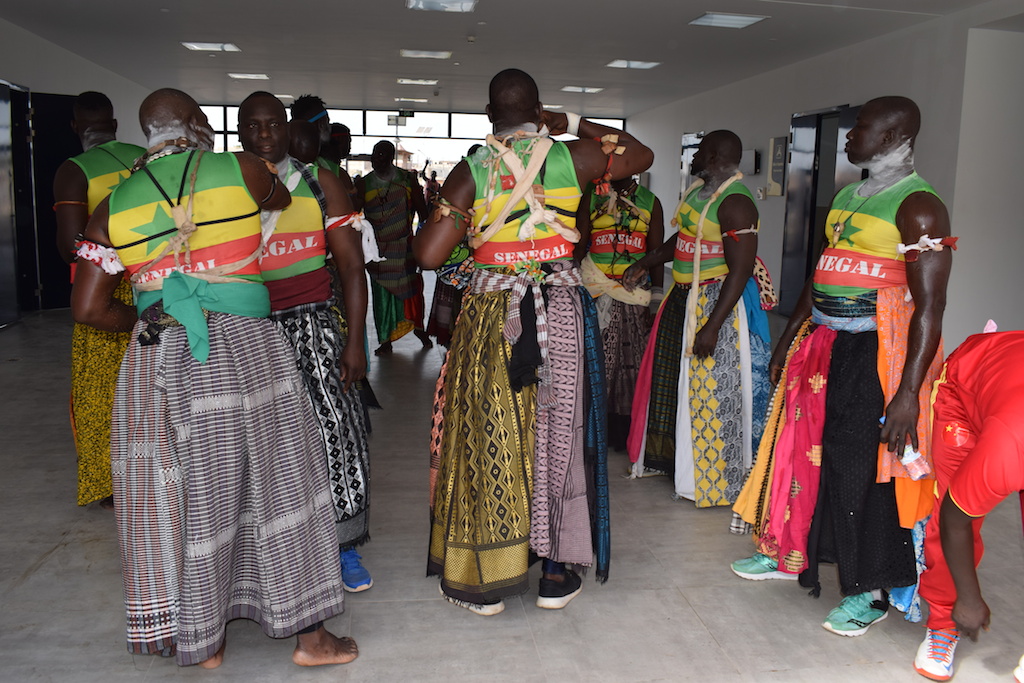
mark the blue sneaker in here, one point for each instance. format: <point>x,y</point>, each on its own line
<point>354,576</point>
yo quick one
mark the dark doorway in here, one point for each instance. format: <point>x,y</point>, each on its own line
<point>53,142</point>
<point>18,282</point>
<point>8,250</point>
<point>818,168</point>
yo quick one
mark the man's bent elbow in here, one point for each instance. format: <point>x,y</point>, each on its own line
<point>425,259</point>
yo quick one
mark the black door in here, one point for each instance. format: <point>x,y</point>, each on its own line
<point>53,142</point>
<point>802,179</point>
<point>818,168</point>
<point>8,250</point>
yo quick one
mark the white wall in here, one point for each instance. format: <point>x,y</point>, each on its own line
<point>987,279</point>
<point>42,66</point>
<point>926,63</point>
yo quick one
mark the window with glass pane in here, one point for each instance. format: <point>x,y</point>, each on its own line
<point>215,115</point>
<point>611,123</point>
<point>471,126</point>
<point>422,124</point>
<point>353,118</point>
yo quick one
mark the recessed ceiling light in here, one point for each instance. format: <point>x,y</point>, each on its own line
<point>630,64</point>
<point>442,5</point>
<point>212,47</point>
<point>411,99</point>
<point>417,81</point>
<point>581,88</point>
<point>250,77</point>
<point>553,106</point>
<point>285,97</point>
<point>724,20</point>
<point>426,54</point>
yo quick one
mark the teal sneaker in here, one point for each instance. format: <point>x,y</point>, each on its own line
<point>760,567</point>
<point>354,576</point>
<point>855,615</point>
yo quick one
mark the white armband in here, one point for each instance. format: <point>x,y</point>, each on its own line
<point>572,123</point>
<point>104,257</point>
<point>358,222</point>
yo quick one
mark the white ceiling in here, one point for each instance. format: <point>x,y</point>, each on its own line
<point>347,52</point>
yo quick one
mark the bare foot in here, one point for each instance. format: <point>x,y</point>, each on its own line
<point>107,503</point>
<point>383,349</point>
<point>216,660</point>
<point>323,647</point>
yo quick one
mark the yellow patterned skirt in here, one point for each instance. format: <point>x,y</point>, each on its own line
<point>95,360</point>
<point>480,527</point>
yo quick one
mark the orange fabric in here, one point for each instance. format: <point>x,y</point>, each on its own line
<point>914,499</point>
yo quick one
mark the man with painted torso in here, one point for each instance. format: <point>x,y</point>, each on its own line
<point>81,183</point>
<point>855,367</point>
<point>293,266</point>
<point>221,497</point>
<point>703,386</point>
<point>518,459</point>
<point>626,222</point>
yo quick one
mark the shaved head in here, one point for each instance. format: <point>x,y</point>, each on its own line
<point>167,114</point>
<point>164,107</point>
<point>514,98</point>
<point>899,113</point>
<point>726,145</point>
<point>93,119</point>
<point>93,106</point>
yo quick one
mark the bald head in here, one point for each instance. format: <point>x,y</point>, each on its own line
<point>93,121</point>
<point>898,113</point>
<point>717,157</point>
<point>167,114</point>
<point>93,106</point>
<point>726,145</point>
<point>514,98</point>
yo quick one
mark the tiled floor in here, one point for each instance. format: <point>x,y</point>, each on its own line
<point>672,610</point>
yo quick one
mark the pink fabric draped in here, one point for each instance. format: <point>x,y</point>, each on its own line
<point>642,394</point>
<point>797,470</point>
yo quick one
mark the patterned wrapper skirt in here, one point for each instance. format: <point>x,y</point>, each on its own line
<point>508,478</point>
<point>624,339</point>
<point>702,425</point>
<point>95,360</point>
<point>444,311</point>
<point>316,339</point>
<point>222,500</point>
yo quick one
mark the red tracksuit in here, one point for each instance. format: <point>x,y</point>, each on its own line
<point>977,448</point>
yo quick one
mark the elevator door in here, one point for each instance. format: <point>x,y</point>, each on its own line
<point>818,168</point>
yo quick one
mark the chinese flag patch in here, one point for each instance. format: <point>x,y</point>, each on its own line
<point>955,434</point>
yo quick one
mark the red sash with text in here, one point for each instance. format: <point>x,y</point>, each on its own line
<point>496,253</point>
<point>848,268</point>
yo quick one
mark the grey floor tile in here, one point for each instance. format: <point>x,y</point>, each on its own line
<point>672,610</point>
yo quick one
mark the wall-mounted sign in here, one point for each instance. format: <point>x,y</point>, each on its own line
<point>777,166</point>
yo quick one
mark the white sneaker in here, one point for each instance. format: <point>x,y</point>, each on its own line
<point>935,655</point>
<point>1018,673</point>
